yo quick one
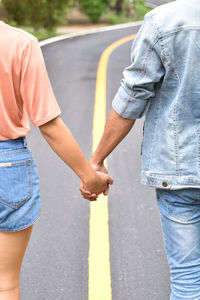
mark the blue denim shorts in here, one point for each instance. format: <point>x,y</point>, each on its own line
<point>20,204</point>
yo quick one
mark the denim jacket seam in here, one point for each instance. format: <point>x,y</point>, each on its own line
<point>169,177</point>
<point>143,72</point>
<point>141,75</point>
<point>128,101</point>
<point>148,54</point>
<point>179,29</point>
<point>125,106</point>
<point>154,131</point>
<point>164,55</point>
<point>156,40</point>
<point>176,147</point>
<point>199,151</point>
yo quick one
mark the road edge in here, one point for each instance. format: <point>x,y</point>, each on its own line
<point>87,32</point>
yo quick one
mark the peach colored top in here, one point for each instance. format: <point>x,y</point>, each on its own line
<point>25,89</point>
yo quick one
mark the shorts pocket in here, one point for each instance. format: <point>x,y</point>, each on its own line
<point>15,183</point>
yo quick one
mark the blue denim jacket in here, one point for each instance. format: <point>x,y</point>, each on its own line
<point>163,83</point>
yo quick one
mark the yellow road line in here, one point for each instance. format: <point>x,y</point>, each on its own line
<point>99,251</point>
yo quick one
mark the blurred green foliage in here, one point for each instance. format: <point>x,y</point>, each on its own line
<point>41,17</point>
<point>113,19</point>
<point>42,34</point>
<point>94,9</point>
<point>132,10</point>
<point>141,9</point>
<point>36,13</point>
<point>114,11</point>
<point>15,10</point>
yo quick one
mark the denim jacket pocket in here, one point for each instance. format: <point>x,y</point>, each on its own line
<point>15,183</point>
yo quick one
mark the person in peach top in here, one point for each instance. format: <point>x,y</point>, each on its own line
<point>25,91</point>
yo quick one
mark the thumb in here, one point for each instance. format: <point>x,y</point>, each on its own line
<point>110,180</point>
<point>106,191</point>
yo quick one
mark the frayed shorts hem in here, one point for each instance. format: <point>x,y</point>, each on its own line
<point>22,227</point>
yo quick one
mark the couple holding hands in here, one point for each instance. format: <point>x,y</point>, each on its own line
<point>162,82</point>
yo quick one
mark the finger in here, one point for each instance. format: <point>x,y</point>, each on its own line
<point>90,198</point>
<point>85,192</point>
<point>81,185</point>
<point>106,191</point>
<point>93,199</point>
<point>83,189</point>
<point>110,180</point>
<point>90,195</point>
<point>94,195</point>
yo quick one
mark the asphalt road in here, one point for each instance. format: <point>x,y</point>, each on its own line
<point>56,263</point>
<point>154,3</point>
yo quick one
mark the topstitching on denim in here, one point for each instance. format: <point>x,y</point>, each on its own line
<point>20,204</point>
<point>15,201</point>
<point>164,73</point>
<point>13,152</point>
<point>175,211</point>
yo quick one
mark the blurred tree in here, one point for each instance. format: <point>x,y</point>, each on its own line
<point>119,6</point>
<point>15,10</point>
<point>37,13</point>
<point>94,8</point>
<point>46,13</point>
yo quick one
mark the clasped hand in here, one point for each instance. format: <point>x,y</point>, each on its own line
<point>100,185</point>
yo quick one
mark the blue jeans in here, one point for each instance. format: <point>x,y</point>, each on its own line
<point>180,218</point>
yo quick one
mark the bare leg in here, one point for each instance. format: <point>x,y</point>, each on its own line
<point>12,249</point>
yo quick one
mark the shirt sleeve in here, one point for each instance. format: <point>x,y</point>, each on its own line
<point>138,85</point>
<point>35,88</point>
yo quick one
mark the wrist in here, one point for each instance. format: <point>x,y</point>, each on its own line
<point>96,161</point>
<point>89,176</point>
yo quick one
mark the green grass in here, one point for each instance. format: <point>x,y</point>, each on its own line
<point>40,34</point>
<point>113,19</point>
<point>141,9</point>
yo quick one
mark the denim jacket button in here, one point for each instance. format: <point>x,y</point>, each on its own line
<point>164,184</point>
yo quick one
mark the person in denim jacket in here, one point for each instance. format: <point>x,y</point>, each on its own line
<point>163,83</point>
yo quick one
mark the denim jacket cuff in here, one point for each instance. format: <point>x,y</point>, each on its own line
<point>128,107</point>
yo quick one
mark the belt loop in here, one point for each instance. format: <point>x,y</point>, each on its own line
<point>25,142</point>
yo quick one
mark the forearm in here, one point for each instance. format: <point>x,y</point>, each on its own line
<point>116,129</point>
<point>63,143</point>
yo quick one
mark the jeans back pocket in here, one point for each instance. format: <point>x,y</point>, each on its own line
<point>15,183</point>
<point>181,205</point>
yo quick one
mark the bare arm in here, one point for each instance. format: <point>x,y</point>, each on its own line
<point>63,143</point>
<point>116,129</point>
